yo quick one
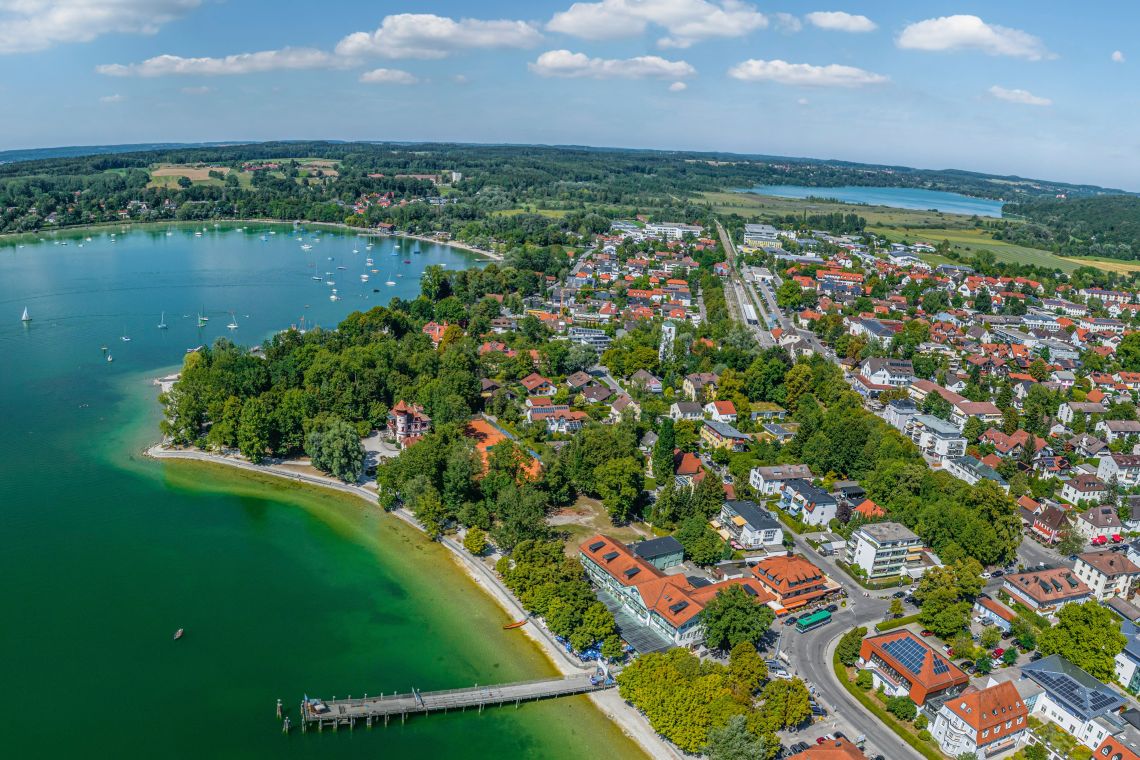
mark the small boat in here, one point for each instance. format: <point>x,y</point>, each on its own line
<point>342,267</point>
<point>368,262</point>
<point>179,633</point>
<point>407,261</point>
<point>162,321</point>
<point>318,278</point>
<point>126,338</point>
<point>233,325</point>
<point>516,624</point>
<point>25,317</point>
<point>110,358</point>
<point>306,247</point>
<point>364,278</point>
<point>390,282</point>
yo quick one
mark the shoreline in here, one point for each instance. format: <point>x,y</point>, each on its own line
<point>360,231</point>
<point>624,716</point>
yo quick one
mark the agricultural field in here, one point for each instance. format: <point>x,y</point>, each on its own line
<point>970,241</point>
<point>167,175</point>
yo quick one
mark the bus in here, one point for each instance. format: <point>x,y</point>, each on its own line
<point>814,620</point>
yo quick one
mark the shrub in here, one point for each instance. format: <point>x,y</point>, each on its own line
<point>864,679</point>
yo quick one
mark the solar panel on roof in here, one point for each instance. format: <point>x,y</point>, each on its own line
<point>908,652</point>
<point>597,545</point>
<point>941,666</point>
<point>675,608</point>
<point>749,590</point>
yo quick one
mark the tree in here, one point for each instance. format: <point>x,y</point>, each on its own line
<point>787,704</point>
<point>747,667</point>
<point>848,647</point>
<point>334,447</point>
<point>1070,542</point>
<point>475,541</point>
<point>797,382</point>
<point>701,544</point>
<point>1128,352</point>
<point>253,429</point>
<point>732,616</point>
<point>663,452</point>
<point>1024,632</point>
<point>619,484</point>
<point>1087,635</point>
<point>864,680</point>
<point>991,635</point>
<point>428,508</point>
<point>896,608</point>
<point>984,665</point>
<point>733,741</point>
<point>1009,656</point>
<point>983,302</point>
<point>973,430</point>
<point>902,708</point>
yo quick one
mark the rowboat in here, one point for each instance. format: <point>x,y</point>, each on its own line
<point>516,624</point>
<point>178,634</point>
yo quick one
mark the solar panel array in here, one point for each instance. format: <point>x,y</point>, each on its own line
<point>1074,693</point>
<point>908,652</point>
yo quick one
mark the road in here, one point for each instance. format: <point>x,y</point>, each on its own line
<point>735,294</point>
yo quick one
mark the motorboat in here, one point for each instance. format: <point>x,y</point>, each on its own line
<point>179,633</point>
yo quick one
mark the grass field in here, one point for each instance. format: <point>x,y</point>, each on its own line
<point>552,213</point>
<point>970,241</point>
<point>1110,265</point>
<point>751,204</point>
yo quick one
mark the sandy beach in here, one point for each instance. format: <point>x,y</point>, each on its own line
<point>629,720</point>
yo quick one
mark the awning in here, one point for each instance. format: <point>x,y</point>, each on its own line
<point>739,521</point>
<point>724,534</point>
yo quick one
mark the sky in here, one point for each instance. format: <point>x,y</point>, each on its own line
<point>1046,90</point>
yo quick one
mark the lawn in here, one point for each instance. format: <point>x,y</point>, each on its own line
<point>587,517</point>
<point>551,213</point>
<point>970,241</point>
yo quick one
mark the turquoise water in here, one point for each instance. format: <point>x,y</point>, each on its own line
<point>894,197</point>
<point>282,590</point>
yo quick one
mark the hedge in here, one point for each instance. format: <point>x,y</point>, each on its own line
<point>888,625</point>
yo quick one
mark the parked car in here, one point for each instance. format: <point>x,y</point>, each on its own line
<point>997,653</point>
<point>909,599</point>
<point>927,633</point>
<point>832,608</point>
<point>998,573</point>
<point>1072,558</point>
<point>987,576</point>
<point>898,595</point>
<point>790,620</point>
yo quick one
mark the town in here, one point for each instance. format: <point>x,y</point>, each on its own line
<point>900,496</point>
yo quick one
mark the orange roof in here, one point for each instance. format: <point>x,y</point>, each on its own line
<point>870,509</point>
<point>987,710</point>
<point>1115,748</point>
<point>486,436</point>
<point>931,681</point>
<point>724,407</point>
<point>833,749</point>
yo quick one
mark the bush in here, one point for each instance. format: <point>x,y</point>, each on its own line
<point>864,680</point>
<point>921,722</point>
<point>902,708</point>
<point>848,648</point>
<point>925,736</point>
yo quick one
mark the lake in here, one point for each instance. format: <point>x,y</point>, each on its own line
<point>894,197</point>
<point>283,590</point>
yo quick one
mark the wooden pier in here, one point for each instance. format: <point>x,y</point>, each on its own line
<point>367,710</point>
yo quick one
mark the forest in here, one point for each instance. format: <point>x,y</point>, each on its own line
<point>1107,225</point>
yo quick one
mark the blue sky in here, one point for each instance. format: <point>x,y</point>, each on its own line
<point>998,87</point>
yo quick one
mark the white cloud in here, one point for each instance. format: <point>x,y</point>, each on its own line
<point>787,22</point>
<point>838,21</point>
<point>686,21</point>
<point>425,35</point>
<point>802,102</point>
<point>563,63</point>
<point>971,33</point>
<point>678,87</point>
<point>242,63</point>
<point>203,90</point>
<point>1024,97</point>
<point>804,74</point>
<point>116,98</point>
<point>31,25</point>
<point>461,79</point>
<point>1117,56</point>
<point>388,76</point>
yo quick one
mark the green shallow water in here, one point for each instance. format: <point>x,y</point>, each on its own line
<point>283,590</point>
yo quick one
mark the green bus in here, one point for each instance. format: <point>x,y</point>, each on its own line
<point>814,620</point>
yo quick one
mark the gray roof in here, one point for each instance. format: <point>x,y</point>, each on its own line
<point>752,514</point>
<point>658,547</point>
<point>889,531</point>
<point>1074,689</point>
<point>809,492</point>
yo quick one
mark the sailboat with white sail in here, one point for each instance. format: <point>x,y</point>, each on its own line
<point>162,321</point>
<point>26,317</point>
<point>233,325</point>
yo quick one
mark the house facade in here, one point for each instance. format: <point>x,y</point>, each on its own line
<point>982,722</point>
<point>883,550</point>
<point>407,422</point>
<point>905,666</point>
<point>748,525</point>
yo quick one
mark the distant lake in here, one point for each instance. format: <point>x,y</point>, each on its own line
<point>895,197</point>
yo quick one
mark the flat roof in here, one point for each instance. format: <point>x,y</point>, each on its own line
<point>657,547</point>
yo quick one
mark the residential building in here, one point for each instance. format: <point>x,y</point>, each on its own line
<point>973,471</point>
<point>648,382</point>
<point>832,749</point>
<point>982,722</point>
<point>1072,699</point>
<point>767,480</point>
<point>1048,589</point>
<point>897,373</point>
<point>685,410</point>
<point>699,385</point>
<point>903,665</point>
<point>1083,488</point>
<point>1107,573</point>
<point>1099,524</point>
<point>1120,469</point>
<point>668,605</point>
<point>899,411</point>
<point>1128,661</point>
<point>1050,522</point>
<point>537,385</point>
<point>1072,410</point>
<point>793,580</point>
<point>721,435</point>
<point>721,411</point>
<point>407,422</point>
<point>589,336</point>
<point>1113,430</point>
<point>744,523</point>
<point>993,612</point>
<point>805,502</point>
<point>883,550</point>
<point>937,438</point>
<point>663,553</point>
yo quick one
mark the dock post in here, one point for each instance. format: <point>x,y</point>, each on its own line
<point>370,721</point>
<point>279,709</point>
<point>285,726</point>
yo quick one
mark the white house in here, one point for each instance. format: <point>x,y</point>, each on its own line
<point>1071,698</point>
<point>937,438</point>
<point>767,480</point>
<point>982,722</point>
<point>1122,469</point>
<point>883,550</point>
<point>1107,573</point>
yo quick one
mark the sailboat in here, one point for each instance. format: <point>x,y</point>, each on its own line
<point>233,325</point>
<point>390,281</point>
<point>162,321</point>
<point>126,338</point>
<point>202,320</point>
<point>26,317</point>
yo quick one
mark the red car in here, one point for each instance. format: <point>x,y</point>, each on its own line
<point>998,652</point>
<point>927,633</point>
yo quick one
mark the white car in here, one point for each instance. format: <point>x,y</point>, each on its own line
<point>987,576</point>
